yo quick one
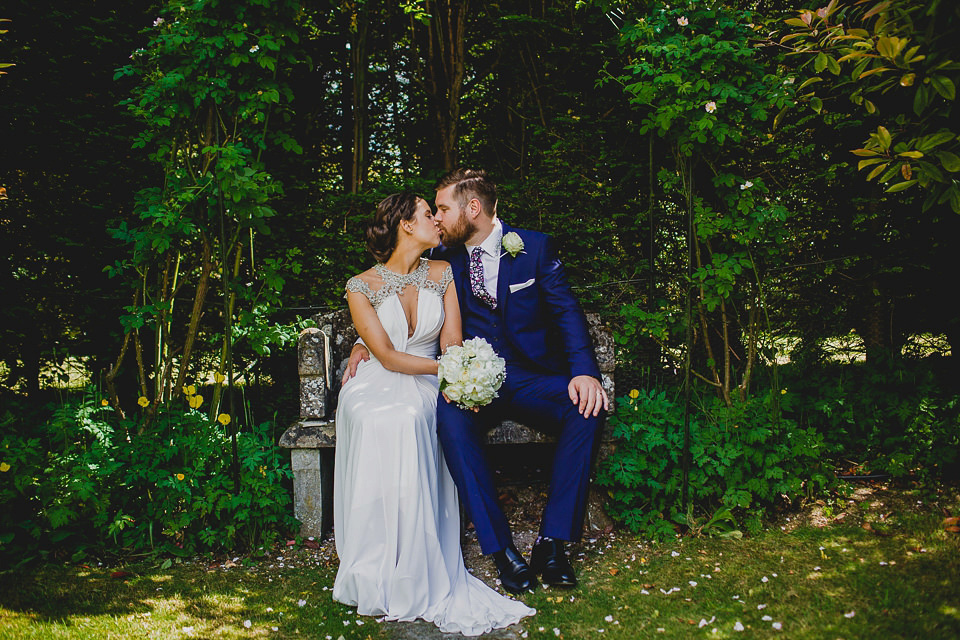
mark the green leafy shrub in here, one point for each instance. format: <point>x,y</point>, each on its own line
<point>893,415</point>
<point>742,462</point>
<point>89,484</point>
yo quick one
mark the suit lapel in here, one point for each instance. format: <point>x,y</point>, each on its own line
<point>461,272</point>
<point>503,275</point>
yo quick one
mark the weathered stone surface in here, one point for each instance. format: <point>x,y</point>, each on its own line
<point>311,352</point>
<point>510,432</point>
<point>602,343</point>
<point>310,434</point>
<point>597,518</point>
<point>307,491</point>
<point>313,397</point>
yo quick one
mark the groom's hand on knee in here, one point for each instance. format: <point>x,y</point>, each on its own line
<point>357,355</point>
<point>587,393</point>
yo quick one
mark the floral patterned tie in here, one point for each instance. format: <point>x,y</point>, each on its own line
<point>476,279</point>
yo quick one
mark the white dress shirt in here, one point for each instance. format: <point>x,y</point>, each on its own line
<point>490,258</point>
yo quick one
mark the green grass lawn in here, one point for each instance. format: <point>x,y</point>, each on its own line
<point>898,578</point>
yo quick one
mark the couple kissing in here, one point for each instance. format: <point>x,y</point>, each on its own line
<point>404,453</point>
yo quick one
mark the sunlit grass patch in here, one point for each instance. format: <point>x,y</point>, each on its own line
<point>895,579</point>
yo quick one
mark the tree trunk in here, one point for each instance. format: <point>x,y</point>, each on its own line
<point>357,113</point>
<point>445,71</point>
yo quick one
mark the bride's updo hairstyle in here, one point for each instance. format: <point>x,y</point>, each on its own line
<point>382,231</point>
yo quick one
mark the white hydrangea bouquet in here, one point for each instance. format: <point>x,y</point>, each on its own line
<point>471,375</point>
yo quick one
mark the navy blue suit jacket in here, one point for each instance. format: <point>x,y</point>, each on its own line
<point>543,320</point>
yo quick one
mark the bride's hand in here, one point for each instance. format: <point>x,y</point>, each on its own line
<point>357,355</point>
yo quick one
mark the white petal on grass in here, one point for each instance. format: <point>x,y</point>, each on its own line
<point>764,579</point>
<point>738,626</point>
<point>761,606</point>
<point>850,615</point>
<point>692,583</point>
<point>247,624</point>
<point>767,619</point>
<point>556,631</point>
<point>301,602</point>
<point>608,618</point>
<point>674,554</point>
<point>777,625</point>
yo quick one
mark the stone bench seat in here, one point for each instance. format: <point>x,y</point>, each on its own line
<point>323,353</point>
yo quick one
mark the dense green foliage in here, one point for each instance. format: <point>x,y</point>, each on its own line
<point>741,464</point>
<point>83,483</point>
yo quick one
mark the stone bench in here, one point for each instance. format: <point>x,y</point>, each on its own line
<point>323,353</point>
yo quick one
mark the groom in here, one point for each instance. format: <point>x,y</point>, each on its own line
<point>514,294</point>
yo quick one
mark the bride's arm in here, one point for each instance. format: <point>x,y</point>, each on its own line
<point>452,330</point>
<point>368,326</point>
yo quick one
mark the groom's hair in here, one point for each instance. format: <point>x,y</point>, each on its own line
<point>472,183</point>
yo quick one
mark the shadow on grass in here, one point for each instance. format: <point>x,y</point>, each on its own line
<point>189,596</point>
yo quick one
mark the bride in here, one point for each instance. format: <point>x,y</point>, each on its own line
<point>395,510</point>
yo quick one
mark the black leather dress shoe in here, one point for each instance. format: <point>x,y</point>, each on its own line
<point>549,560</point>
<point>515,574</point>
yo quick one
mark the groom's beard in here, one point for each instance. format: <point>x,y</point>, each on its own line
<point>460,233</point>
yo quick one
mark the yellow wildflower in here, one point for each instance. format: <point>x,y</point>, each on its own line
<point>223,419</point>
<point>218,377</point>
<point>263,471</point>
<point>195,401</point>
<point>4,467</point>
<point>783,392</point>
<point>104,403</point>
<point>180,476</point>
<point>189,389</point>
<point>142,401</point>
<point>634,394</point>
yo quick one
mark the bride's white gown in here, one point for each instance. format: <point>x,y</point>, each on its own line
<point>395,510</point>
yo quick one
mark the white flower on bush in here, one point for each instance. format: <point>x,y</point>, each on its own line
<point>682,21</point>
<point>470,375</point>
<point>710,107</point>
<point>512,243</point>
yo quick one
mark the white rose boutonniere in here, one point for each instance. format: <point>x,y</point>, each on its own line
<point>512,243</point>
